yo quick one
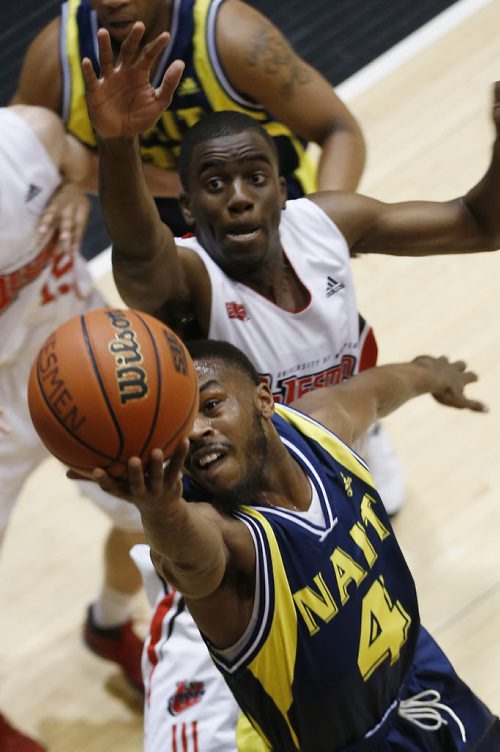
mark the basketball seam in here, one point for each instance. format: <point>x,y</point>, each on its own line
<point>73,435</point>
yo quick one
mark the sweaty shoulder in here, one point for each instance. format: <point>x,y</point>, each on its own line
<point>40,80</point>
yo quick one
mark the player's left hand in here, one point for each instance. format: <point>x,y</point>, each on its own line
<point>122,102</point>
<point>451,380</point>
<point>67,211</point>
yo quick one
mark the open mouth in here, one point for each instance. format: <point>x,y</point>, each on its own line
<point>205,461</point>
<point>243,236</point>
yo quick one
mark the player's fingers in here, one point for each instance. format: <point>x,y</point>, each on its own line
<point>136,479</point>
<point>169,84</point>
<point>155,471</point>
<point>469,377</point>
<point>130,45</point>
<point>106,60</point>
<point>79,224</point>
<point>89,74</point>
<point>174,468</point>
<point>46,224</point>
<point>152,50</point>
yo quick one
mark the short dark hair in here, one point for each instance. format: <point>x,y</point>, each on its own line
<point>213,349</point>
<point>217,125</point>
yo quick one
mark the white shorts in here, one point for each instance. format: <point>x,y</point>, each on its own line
<point>188,705</point>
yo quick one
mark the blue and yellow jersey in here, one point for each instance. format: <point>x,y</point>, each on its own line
<point>204,88</point>
<point>335,618</point>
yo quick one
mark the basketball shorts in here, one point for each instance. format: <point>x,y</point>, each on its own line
<point>188,705</point>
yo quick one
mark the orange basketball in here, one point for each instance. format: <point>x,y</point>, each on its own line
<point>109,385</point>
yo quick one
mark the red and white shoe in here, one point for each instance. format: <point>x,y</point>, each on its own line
<point>12,740</point>
<point>118,644</point>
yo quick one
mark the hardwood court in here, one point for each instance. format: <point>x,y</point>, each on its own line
<point>429,134</point>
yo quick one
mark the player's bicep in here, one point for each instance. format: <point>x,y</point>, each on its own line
<point>417,228</point>
<point>40,80</point>
<point>262,66</point>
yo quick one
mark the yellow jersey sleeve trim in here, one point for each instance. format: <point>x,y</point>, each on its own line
<point>282,636</point>
<point>78,121</point>
<point>219,99</point>
<point>333,445</point>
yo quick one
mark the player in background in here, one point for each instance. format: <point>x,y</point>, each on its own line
<point>272,276</point>
<point>236,59</point>
<point>43,282</point>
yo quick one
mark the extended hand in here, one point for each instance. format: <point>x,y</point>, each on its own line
<point>152,488</point>
<point>67,212</point>
<point>451,380</point>
<point>122,102</point>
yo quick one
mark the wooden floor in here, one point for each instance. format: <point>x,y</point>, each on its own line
<point>429,134</point>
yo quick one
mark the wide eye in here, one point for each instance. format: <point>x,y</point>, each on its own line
<point>257,178</point>
<point>214,185</point>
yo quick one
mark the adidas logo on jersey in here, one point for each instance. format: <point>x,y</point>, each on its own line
<point>188,86</point>
<point>33,191</point>
<point>332,286</point>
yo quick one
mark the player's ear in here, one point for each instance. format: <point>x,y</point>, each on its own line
<point>185,205</point>
<point>264,399</point>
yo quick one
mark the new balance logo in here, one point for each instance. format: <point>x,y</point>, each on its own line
<point>187,694</point>
<point>33,191</point>
<point>332,286</point>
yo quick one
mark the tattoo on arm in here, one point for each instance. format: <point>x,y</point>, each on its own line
<point>275,57</point>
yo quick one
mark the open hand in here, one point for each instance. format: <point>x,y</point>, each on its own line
<point>67,211</point>
<point>122,102</point>
<point>152,488</point>
<point>451,380</point>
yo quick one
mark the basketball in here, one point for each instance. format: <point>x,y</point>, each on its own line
<point>109,385</point>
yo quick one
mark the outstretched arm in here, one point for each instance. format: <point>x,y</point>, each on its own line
<point>467,224</point>
<point>122,104</point>
<point>350,408</point>
<point>193,547</point>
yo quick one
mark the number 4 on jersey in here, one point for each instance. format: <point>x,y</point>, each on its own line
<point>384,629</point>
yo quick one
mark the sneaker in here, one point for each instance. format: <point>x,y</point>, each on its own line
<point>12,740</point>
<point>385,467</point>
<point>119,644</point>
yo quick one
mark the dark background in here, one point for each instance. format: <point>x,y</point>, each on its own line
<point>336,36</point>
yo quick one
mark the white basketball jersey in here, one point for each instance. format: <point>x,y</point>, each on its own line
<point>302,350</point>
<point>40,286</point>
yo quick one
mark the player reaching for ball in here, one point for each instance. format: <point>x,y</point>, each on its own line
<point>271,276</point>
<point>43,281</point>
<point>290,567</point>
<point>109,384</point>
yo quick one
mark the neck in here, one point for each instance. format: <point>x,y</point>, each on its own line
<point>284,482</point>
<point>278,282</point>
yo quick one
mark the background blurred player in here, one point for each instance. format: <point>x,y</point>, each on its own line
<point>44,281</point>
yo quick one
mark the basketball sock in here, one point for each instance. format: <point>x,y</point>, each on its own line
<point>112,608</point>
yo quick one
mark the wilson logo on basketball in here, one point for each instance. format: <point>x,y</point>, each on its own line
<point>186,695</point>
<point>125,348</point>
<point>177,353</point>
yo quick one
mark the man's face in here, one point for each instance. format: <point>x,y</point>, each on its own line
<point>228,444</point>
<point>118,16</point>
<point>235,198</point>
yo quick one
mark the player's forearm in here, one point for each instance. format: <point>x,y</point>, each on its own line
<point>187,549</point>
<point>129,210</point>
<point>342,159</point>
